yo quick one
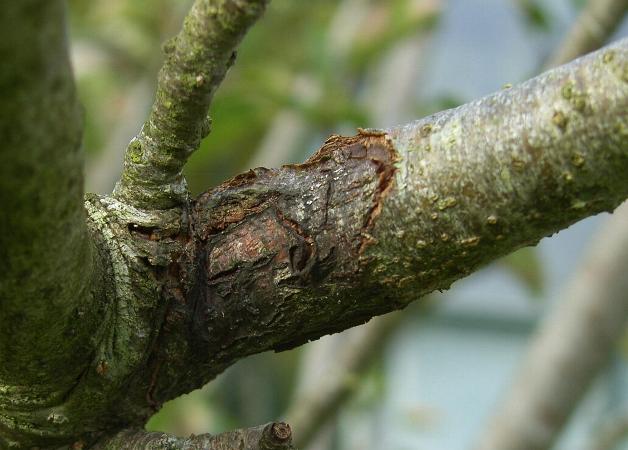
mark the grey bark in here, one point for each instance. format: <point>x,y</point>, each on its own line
<point>272,436</point>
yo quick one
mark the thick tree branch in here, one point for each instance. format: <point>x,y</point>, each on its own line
<point>596,22</point>
<point>46,258</point>
<point>517,423</point>
<point>573,345</point>
<point>273,436</point>
<point>197,60</point>
<point>275,258</point>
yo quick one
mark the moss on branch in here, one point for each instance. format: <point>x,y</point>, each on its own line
<point>197,60</point>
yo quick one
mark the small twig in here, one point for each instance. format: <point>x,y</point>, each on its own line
<point>197,60</point>
<point>595,24</point>
<point>272,436</point>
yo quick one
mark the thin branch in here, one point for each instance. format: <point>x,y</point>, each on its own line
<point>197,60</point>
<point>574,343</point>
<point>595,24</point>
<point>273,436</point>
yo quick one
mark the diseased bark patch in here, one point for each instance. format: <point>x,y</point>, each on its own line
<point>274,254</point>
<point>250,243</point>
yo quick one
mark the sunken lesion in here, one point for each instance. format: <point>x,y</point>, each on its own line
<point>274,259</point>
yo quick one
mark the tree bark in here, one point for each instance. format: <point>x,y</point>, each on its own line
<point>158,294</point>
<point>50,285</point>
<point>273,436</point>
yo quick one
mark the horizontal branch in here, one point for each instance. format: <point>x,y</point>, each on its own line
<point>273,436</point>
<point>197,60</point>
<point>276,257</point>
<point>370,223</point>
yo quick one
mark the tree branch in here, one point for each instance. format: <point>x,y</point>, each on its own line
<point>273,436</point>
<point>275,258</point>
<point>197,60</point>
<point>596,22</point>
<point>46,257</point>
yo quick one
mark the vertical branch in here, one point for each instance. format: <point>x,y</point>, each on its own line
<point>197,60</point>
<point>45,256</point>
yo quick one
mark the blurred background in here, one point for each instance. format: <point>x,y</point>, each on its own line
<point>431,376</point>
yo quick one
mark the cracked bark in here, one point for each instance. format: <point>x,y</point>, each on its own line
<point>157,300</point>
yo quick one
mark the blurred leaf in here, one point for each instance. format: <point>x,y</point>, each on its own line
<point>186,415</point>
<point>400,22</point>
<point>578,4</point>
<point>535,14</point>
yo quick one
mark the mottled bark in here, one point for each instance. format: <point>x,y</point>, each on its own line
<point>49,291</point>
<point>273,436</point>
<point>178,290</point>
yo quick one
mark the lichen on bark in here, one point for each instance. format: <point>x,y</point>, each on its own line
<point>196,61</point>
<point>160,293</point>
